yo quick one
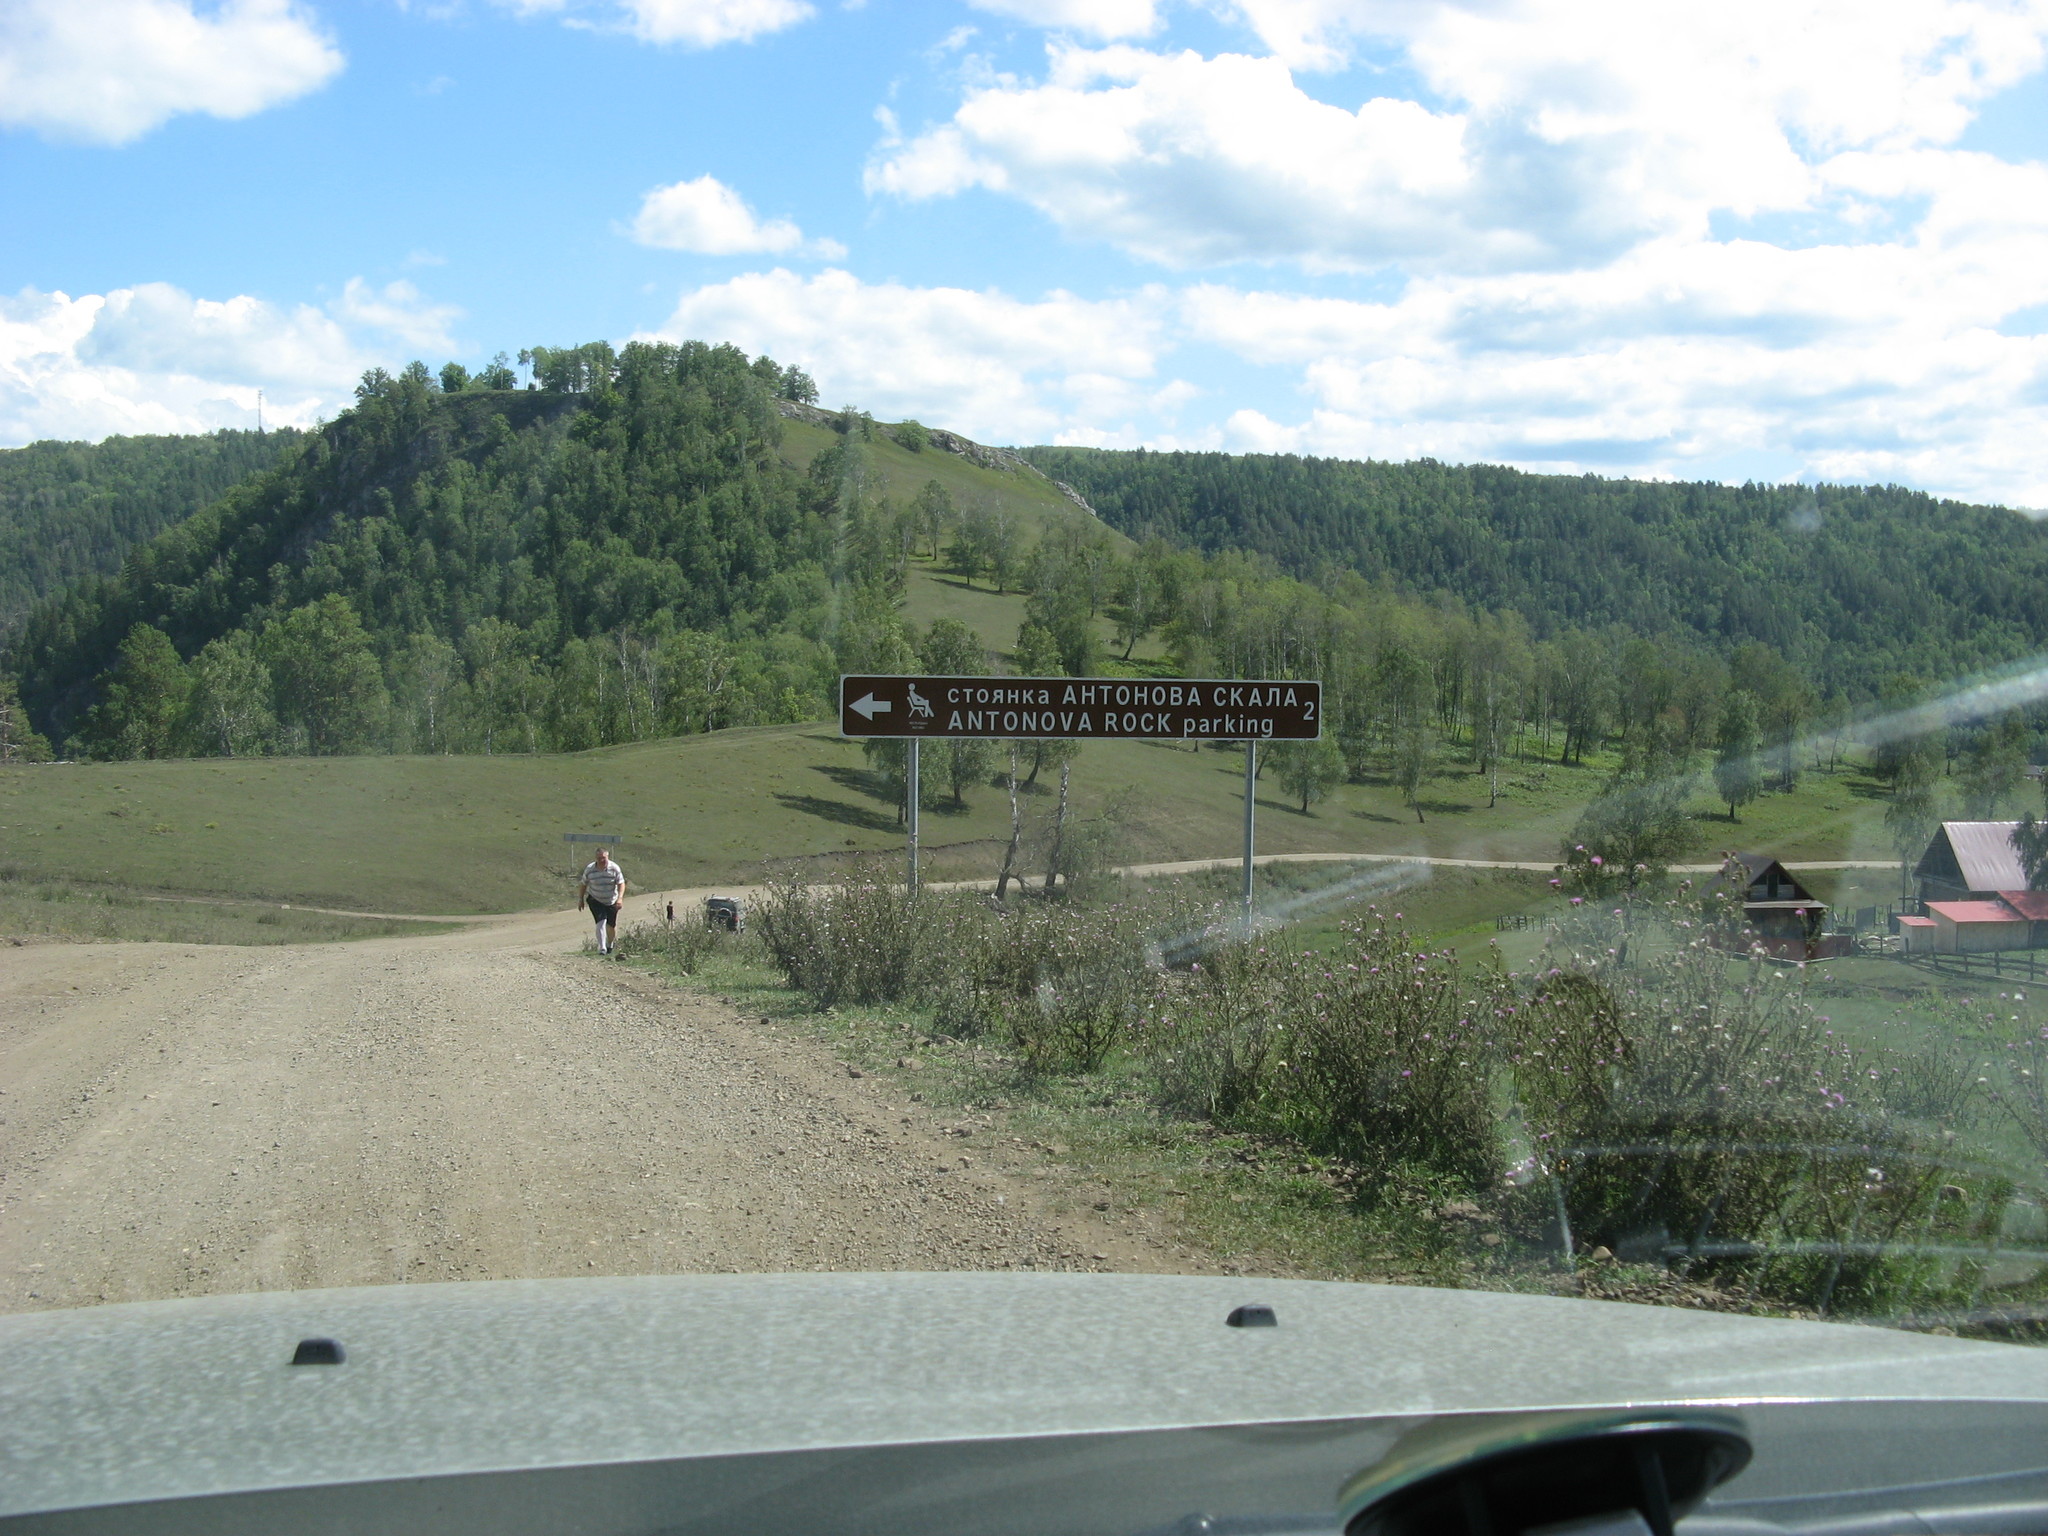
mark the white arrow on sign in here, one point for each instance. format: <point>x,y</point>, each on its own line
<point>870,707</point>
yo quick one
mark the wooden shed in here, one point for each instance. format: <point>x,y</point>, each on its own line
<point>1977,927</point>
<point>1970,861</point>
<point>2033,906</point>
<point>1919,934</point>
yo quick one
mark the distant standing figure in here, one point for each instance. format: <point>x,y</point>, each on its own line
<point>603,891</point>
<point>671,914</point>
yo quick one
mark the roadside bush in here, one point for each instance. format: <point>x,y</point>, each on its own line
<point>1074,1018</point>
<point>1390,1060</point>
<point>1069,981</point>
<point>861,942</point>
<point>1726,1128</point>
<point>1062,982</point>
<point>1379,1054</point>
<point>684,944</point>
<point>1212,1037</point>
<point>1627,1093</point>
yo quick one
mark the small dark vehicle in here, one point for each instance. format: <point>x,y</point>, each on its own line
<point>724,912</point>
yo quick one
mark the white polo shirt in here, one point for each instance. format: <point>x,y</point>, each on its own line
<point>604,882</point>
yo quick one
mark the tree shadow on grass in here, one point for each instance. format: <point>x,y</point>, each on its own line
<point>1445,807</point>
<point>958,583</point>
<point>1363,815</point>
<point>846,815</point>
<point>855,780</point>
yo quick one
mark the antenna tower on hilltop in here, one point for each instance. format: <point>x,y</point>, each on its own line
<point>259,413</point>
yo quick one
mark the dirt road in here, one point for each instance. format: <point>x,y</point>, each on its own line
<point>179,1120</point>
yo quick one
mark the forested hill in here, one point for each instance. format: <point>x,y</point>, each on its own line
<point>72,510</point>
<point>1854,584</point>
<point>483,538</point>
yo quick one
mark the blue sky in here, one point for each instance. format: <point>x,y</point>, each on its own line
<point>1767,239</point>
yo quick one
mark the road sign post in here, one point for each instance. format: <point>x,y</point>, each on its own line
<point>1251,783</point>
<point>911,784</point>
<point>573,838</point>
<point>920,708</point>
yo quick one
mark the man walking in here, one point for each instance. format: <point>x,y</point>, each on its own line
<point>603,891</point>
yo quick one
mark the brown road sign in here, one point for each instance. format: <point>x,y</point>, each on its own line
<point>1081,708</point>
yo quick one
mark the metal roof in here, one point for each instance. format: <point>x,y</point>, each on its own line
<point>1985,854</point>
<point>1975,911</point>
<point>2032,905</point>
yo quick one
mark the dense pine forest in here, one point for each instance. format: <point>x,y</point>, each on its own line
<point>72,510</point>
<point>622,551</point>
<point>1854,584</point>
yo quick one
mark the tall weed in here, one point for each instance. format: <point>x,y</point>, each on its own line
<point>1675,1116</point>
<point>1062,982</point>
<point>1379,1053</point>
<point>867,940</point>
<point>684,944</point>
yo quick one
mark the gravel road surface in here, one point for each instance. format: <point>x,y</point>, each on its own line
<point>180,1120</point>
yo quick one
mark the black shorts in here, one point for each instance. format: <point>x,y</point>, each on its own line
<point>603,911</point>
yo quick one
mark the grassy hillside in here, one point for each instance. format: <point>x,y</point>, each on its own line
<point>36,907</point>
<point>930,591</point>
<point>901,473</point>
<point>481,834</point>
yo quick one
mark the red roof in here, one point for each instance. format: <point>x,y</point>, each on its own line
<point>1974,911</point>
<point>2032,905</point>
<point>1916,922</point>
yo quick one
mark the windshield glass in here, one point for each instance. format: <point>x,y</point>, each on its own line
<point>1287,640</point>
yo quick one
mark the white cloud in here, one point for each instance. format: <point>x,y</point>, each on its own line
<point>152,358</point>
<point>1858,363</point>
<point>1642,238</point>
<point>398,310</point>
<point>1553,132</point>
<point>108,71</point>
<point>689,23</point>
<point>978,361</point>
<point>1911,360</point>
<point>1187,161</point>
<point>708,217</point>
<point>1100,19</point>
<point>1845,71</point>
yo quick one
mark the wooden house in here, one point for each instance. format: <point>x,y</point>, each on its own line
<point>1778,912</point>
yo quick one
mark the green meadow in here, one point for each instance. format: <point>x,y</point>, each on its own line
<point>474,834</point>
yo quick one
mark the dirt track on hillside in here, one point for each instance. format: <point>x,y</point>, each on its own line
<point>182,1120</point>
